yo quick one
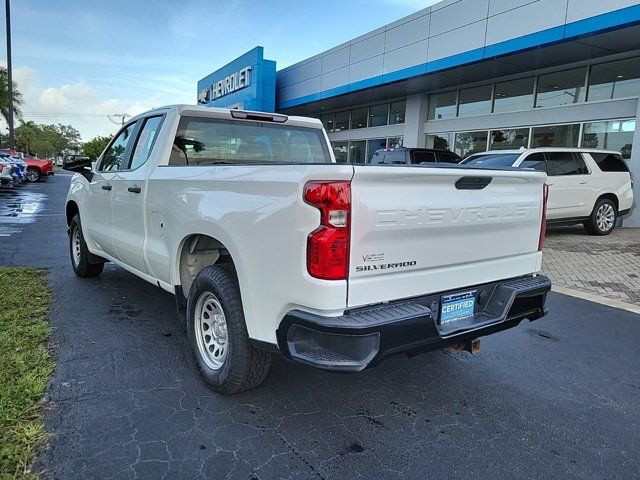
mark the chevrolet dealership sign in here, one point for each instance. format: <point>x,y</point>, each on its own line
<point>248,82</point>
<point>232,83</point>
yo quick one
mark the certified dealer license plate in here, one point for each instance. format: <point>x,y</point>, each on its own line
<point>457,306</point>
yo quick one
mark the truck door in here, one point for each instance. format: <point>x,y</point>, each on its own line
<point>97,214</point>
<point>128,197</point>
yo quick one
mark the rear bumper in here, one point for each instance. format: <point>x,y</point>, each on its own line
<point>363,337</point>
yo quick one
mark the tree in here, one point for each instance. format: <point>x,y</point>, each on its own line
<point>4,96</point>
<point>94,147</point>
<point>45,140</point>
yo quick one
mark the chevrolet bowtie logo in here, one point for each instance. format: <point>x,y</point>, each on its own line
<point>203,96</point>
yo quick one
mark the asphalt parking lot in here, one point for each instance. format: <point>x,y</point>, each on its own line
<point>555,398</point>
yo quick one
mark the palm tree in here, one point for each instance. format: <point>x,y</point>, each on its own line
<point>4,96</point>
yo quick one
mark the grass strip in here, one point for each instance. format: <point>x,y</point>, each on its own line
<point>25,366</point>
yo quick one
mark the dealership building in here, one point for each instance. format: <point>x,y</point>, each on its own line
<point>465,75</point>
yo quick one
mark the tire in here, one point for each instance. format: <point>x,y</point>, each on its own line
<point>80,255</point>
<point>214,305</point>
<point>33,174</point>
<point>602,220</point>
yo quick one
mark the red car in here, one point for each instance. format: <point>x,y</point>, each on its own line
<point>38,167</point>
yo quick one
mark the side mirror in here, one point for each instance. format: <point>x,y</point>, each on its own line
<point>77,164</point>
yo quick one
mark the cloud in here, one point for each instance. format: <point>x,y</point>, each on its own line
<point>79,104</point>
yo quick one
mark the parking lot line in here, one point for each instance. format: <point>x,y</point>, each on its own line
<point>592,297</point>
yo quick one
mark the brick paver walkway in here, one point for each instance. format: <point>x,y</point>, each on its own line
<point>607,266</point>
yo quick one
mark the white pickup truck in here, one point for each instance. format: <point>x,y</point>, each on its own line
<point>269,245</point>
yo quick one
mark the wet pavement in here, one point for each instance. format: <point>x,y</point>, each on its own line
<point>555,398</point>
<point>19,205</point>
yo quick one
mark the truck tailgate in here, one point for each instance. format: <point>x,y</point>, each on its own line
<point>417,230</point>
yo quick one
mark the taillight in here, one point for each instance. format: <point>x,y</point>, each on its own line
<point>328,245</point>
<point>543,226</point>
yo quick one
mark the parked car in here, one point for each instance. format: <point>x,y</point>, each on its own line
<point>6,170</point>
<point>270,246</point>
<point>38,168</point>
<point>413,156</point>
<point>589,187</point>
<point>17,166</point>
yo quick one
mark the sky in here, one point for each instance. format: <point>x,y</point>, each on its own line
<point>79,61</point>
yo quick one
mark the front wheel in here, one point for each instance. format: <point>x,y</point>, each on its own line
<point>602,220</point>
<point>218,334</point>
<point>33,174</point>
<point>80,255</point>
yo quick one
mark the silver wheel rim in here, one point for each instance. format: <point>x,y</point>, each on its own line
<point>605,217</point>
<point>75,246</point>
<point>31,175</point>
<point>211,330</point>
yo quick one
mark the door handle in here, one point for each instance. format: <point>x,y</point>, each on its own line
<point>134,189</point>
<point>106,187</point>
<point>584,182</point>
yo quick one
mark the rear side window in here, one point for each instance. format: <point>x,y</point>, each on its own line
<point>418,157</point>
<point>210,141</point>
<point>535,161</point>
<point>565,163</point>
<point>608,162</point>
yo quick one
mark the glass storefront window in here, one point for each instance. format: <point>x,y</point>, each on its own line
<point>397,112</point>
<point>378,115</point>
<point>357,151</point>
<point>328,120</point>
<point>395,142</point>
<point>616,135</point>
<point>555,136</point>
<point>617,79</point>
<point>441,141</point>
<point>470,142</point>
<point>341,151</point>
<point>341,121</point>
<point>373,145</point>
<point>474,101</point>
<point>359,117</point>
<point>513,138</point>
<point>514,95</point>
<point>561,88</point>
<point>442,105</point>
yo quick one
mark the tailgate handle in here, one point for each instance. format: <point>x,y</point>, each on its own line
<point>473,183</point>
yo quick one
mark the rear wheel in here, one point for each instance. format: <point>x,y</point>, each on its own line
<point>218,334</point>
<point>603,218</point>
<point>33,174</point>
<point>80,255</point>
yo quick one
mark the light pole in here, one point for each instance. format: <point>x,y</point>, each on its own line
<point>9,75</point>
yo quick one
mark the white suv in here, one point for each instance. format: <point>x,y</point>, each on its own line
<point>592,187</point>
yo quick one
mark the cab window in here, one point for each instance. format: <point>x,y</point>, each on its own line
<point>115,155</point>
<point>145,141</point>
